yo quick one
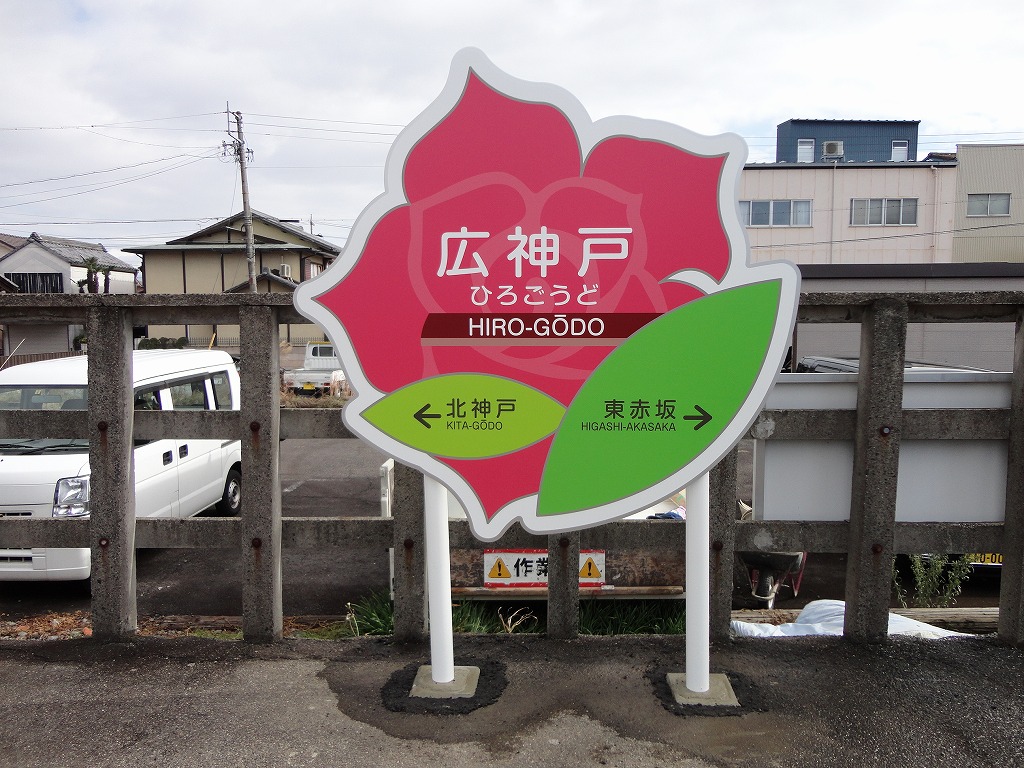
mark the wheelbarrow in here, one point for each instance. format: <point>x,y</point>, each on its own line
<point>770,570</point>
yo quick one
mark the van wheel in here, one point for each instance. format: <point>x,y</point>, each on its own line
<point>231,502</point>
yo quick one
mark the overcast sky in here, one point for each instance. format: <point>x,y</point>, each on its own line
<point>114,111</point>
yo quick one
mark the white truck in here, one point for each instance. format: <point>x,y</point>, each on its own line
<point>320,373</point>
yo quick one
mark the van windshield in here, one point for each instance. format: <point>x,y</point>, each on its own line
<point>43,398</point>
<point>32,446</point>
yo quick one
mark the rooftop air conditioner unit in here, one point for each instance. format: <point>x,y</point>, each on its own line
<point>286,271</point>
<point>832,149</point>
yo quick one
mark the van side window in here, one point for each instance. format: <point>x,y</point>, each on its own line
<point>189,395</point>
<point>147,400</point>
<point>221,390</point>
<point>55,398</point>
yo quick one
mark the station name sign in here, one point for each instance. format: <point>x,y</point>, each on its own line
<point>555,317</point>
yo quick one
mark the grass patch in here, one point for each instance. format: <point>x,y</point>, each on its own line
<point>632,617</point>
<point>495,619</point>
<point>333,630</point>
<point>374,615</point>
<point>291,400</point>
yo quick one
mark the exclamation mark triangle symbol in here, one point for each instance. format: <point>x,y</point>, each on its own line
<point>499,571</point>
<point>590,570</point>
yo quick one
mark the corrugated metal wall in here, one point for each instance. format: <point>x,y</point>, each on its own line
<point>989,169</point>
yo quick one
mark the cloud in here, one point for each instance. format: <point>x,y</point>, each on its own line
<point>741,67</point>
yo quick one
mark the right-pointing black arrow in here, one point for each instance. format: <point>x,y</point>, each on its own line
<point>702,417</point>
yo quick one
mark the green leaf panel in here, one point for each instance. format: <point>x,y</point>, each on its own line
<point>643,414</point>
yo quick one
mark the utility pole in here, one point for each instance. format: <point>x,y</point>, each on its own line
<point>242,154</point>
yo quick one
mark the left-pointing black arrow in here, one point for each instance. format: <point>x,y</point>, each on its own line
<point>421,416</point>
<point>702,417</point>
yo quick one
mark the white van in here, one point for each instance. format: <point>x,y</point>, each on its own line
<point>49,477</point>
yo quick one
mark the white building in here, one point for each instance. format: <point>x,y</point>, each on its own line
<point>850,213</point>
<point>947,223</point>
<point>42,264</point>
<point>962,208</point>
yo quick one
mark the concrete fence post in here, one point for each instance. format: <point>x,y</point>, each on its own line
<point>262,618</point>
<point>564,586</point>
<point>875,467</point>
<point>1011,587</point>
<point>112,479</point>
<point>723,545</point>
<point>410,614</point>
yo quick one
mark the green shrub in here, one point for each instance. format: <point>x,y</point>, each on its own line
<point>937,581</point>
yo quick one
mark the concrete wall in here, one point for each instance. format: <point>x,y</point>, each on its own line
<point>978,345</point>
<point>870,538</point>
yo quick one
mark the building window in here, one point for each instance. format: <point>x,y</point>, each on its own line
<point>989,204</point>
<point>900,151</point>
<point>37,282</point>
<point>775,213</point>
<point>879,211</point>
<point>805,150</point>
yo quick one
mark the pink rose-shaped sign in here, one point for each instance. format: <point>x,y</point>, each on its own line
<point>552,316</point>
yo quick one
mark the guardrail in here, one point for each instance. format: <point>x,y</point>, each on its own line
<point>871,538</point>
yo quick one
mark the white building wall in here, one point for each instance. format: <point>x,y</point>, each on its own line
<point>120,282</point>
<point>34,258</point>
<point>50,338</point>
<point>831,239</point>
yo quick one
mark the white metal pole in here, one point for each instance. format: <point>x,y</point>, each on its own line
<point>698,585</point>
<point>439,581</point>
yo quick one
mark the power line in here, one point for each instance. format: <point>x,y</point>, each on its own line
<point>102,125</point>
<point>141,143</point>
<point>320,138</point>
<point>313,167</point>
<point>325,130</point>
<point>106,186</point>
<point>91,173</point>
<point>93,184</point>
<point>90,222</point>
<point>896,236</point>
<point>325,120</point>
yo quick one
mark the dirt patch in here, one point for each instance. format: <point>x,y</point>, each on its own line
<point>78,624</point>
<point>50,626</point>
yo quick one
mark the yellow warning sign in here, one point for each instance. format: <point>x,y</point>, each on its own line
<point>528,568</point>
<point>590,570</point>
<point>499,570</point>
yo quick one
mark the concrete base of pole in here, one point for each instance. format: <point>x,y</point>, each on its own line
<point>462,687</point>
<point>720,694</point>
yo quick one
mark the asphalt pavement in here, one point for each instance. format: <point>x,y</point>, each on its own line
<point>596,701</point>
<point>318,478</point>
